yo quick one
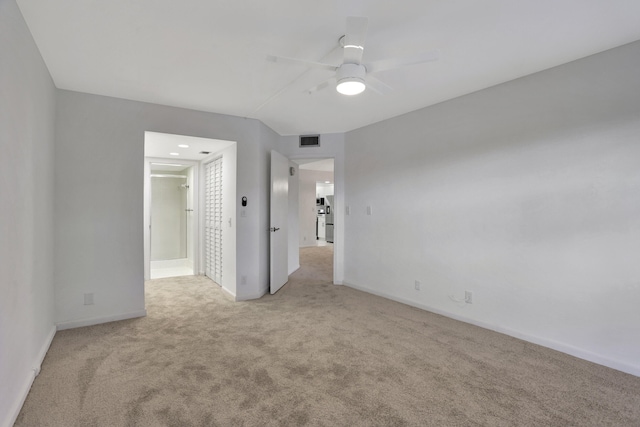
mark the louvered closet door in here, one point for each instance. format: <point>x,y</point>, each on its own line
<point>213,220</point>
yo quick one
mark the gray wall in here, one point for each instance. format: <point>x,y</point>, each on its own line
<point>526,194</point>
<point>99,234</point>
<point>27,118</point>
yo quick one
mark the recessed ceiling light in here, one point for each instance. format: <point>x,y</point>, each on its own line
<point>183,146</point>
<point>327,182</point>
<point>174,154</point>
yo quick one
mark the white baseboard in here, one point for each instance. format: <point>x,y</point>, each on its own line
<point>296,268</point>
<point>554,345</point>
<point>98,320</point>
<point>44,349</point>
<point>233,295</point>
<point>255,295</point>
<point>31,376</point>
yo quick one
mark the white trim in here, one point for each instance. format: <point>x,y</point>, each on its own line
<point>229,292</point>
<point>554,345</point>
<point>98,320</point>
<point>296,268</point>
<point>44,349</point>
<point>17,406</point>
<point>252,296</point>
<point>161,175</point>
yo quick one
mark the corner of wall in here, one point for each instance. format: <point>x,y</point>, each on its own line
<point>15,409</point>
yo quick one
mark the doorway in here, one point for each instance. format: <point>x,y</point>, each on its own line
<point>171,221</point>
<point>174,195</point>
<point>316,212</point>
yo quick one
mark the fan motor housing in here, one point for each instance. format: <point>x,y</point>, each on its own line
<point>351,71</point>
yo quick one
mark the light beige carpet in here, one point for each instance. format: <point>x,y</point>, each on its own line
<point>313,354</point>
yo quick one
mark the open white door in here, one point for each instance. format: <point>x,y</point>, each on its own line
<point>279,221</point>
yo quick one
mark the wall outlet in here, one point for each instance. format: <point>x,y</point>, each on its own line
<point>417,285</point>
<point>88,299</point>
<point>468,297</point>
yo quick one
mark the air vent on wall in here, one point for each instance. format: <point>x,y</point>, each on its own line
<point>205,152</point>
<point>309,140</point>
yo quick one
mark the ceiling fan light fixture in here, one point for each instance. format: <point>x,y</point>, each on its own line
<point>351,86</point>
<point>350,79</point>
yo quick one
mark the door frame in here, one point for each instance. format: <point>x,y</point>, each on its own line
<point>338,218</point>
<point>194,243</point>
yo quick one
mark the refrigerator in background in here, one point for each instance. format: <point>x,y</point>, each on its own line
<point>329,219</point>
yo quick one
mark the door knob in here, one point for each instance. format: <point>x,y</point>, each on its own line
<point>274,229</point>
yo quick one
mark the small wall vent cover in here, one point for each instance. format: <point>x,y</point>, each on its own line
<point>309,140</point>
<point>205,152</point>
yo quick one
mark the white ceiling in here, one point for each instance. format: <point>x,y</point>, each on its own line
<point>162,145</point>
<point>211,55</point>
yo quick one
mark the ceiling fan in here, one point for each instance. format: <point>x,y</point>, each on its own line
<point>353,76</point>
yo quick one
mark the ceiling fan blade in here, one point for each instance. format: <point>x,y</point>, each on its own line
<point>372,88</point>
<point>354,39</point>
<point>310,64</point>
<point>389,64</point>
<point>320,86</point>
<point>378,85</point>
